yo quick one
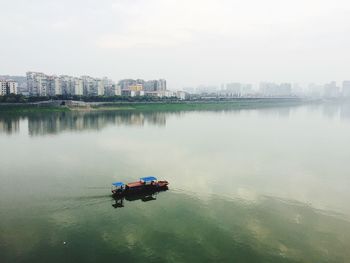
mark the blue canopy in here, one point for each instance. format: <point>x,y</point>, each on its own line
<point>148,179</point>
<point>118,184</point>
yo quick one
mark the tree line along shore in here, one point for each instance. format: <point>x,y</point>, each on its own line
<point>60,103</point>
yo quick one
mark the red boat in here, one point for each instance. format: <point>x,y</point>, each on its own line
<point>143,185</point>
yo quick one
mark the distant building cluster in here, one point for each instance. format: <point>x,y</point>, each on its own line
<point>152,88</point>
<point>330,90</point>
<point>272,90</point>
<point>40,84</point>
<point>236,89</point>
<point>140,87</point>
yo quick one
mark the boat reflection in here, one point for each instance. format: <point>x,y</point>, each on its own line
<point>146,196</point>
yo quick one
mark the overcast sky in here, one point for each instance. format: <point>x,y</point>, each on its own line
<point>187,42</point>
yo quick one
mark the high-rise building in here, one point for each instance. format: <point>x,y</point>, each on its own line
<point>150,85</point>
<point>117,91</point>
<point>330,90</point>
<point>314,90</point>
<point>68,85</point>
<point>109,87</point>
<point>233,89</point>
<point>206,89</point>
<point>270,89</point>
<point>125,83</point>
<point>285,90</point>
<point>247,89</point>
<point>3,87</point>
<point>162,85</point>
<point>100,91</point>
<point>8,87</point>
<point>78,87</point>
<point>37,83</point>
<point>89,85</point>
<point>54,86</point>
<point>12,87</point>
<point>20,80</point>
<point>155,85</point>
<point>346,88</point>
<point>139,85</point>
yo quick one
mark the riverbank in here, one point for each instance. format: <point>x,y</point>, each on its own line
<point>25,108</point>
<point>66,106</point>
<point>197,105</point>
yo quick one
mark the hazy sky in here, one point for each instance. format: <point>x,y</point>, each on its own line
<point>188,42</point>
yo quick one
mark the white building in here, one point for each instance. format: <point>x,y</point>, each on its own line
<point>109,87</point>
<point>117,90</point>
<point>8,87</point>
<point>100,91</point>
<point>12,87</point>
<point>78,87</point>
<point>37,83</point>
<point>40,84</point>
<point>3,87</point>
<point>54,86</point>
<point>89,86</point>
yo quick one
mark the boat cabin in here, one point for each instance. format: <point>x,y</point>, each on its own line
<point>118,186</point>
<point>148,180</point>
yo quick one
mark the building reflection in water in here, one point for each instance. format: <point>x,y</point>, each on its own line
<point>331,110</point>
<point>9,124</point>
<point>59,122</point>
<point>118,202</point>
<point>54,123</point>
<point>283,112</point>
<point>345,111</point>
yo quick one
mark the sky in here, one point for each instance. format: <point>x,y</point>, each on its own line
<point>187,42</point>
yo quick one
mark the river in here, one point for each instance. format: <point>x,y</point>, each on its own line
<point>252,185</point>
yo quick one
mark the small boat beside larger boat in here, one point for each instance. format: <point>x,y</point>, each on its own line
<point>143,185</point>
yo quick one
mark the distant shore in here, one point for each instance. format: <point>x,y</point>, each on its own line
<point>71,105</point>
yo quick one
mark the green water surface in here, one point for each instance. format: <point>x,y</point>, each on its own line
<point>250,185</point>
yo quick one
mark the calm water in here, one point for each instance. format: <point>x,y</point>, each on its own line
<point>267,185</point>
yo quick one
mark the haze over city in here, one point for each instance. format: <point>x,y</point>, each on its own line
<point>188,43</point>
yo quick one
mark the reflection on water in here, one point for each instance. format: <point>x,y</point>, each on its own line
<point>260,185</point>
<point>345,111</point>
<point>59,122</point>
<point>146,196</point>
<point>53,123</point>
<point>182,227</point>
<point>9,124</point>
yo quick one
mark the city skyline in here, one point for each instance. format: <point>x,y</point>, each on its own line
<point>41,84</point>
<point>218,85</point>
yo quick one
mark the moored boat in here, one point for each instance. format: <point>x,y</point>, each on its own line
<point>144,184</point>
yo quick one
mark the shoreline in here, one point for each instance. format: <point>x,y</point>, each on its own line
<point>71,106</point>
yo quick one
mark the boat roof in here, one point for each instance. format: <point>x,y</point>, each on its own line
<point>135,184</point>
<point>148,179</point>
<point>118,184</point>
